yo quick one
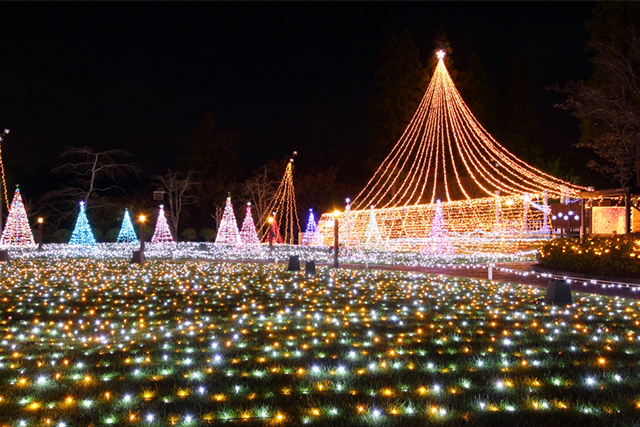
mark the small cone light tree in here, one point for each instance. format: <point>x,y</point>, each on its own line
<point>283,207</point>
<point>372,237</point>
<point>127,233</point>
<point>347,225</point>
<point>248,233</point>
<point>17,231</point>
<point>439,241</point>
<point>162,234</point>
<point>228,233</point>
<point>82,234</point>
<point>311,234</point>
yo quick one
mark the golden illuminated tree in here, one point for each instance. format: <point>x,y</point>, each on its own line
<point>445,153</point>
<point>283,208</point>
<point>490,198</point>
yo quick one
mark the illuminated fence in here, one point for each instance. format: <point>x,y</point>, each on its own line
<point>490,224</point>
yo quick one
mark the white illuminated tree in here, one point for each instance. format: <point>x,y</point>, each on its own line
<point>162,234</point>
<point>17,231</point>
<point>372,237</point>
<point>248,233</point>
<point>228,233</point>
<point>439,241</point>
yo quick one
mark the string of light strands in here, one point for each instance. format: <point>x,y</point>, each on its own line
<point>283,209</point>
<point>446,154</point>
<point>488,194</point>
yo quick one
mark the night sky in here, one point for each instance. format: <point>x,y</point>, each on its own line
<point>283,76</point>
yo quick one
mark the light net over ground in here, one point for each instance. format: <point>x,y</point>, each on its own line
<point>92,342</point>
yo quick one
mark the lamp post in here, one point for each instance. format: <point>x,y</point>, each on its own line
<point>40,221</point>
<point>142,219</point>
<point>336,214</point>
<point>271,236</point>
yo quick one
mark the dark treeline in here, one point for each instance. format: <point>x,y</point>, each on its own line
<point>208,164</point>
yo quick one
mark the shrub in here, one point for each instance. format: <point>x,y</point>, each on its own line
<point>207,234</point>
<point>61,235</point>
<point>97,233</point>
<point>599,255</point>
<point>188,235</point>
<point>112,235</point>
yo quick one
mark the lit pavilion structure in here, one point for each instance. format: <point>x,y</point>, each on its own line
<point>491,200</point>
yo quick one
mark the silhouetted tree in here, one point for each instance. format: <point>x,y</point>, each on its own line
<point>211,155</point>
<point>93,176</point>
<point>518,130</point>
<point>402,81</point>
<point>178,188</point>
<point>608,105</point>
<point>476,91</point>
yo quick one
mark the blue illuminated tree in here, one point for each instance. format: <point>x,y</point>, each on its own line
<point>82,234</point>
<point>127,233</point>
<point>309,237</point>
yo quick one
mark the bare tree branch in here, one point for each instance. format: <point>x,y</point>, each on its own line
<point>260,190</point>
<point>96,166</point>
<point>177,186</point>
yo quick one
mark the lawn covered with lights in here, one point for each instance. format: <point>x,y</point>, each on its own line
<point>198,343</point>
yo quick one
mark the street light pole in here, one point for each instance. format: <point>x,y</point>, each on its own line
<point>40,221</point>
<point>271,236</point>
<point>142,220</point>
<point>335,238</point>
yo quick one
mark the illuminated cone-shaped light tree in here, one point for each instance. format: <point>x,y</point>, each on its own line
<point>347,226</point>
<point>283,209</point>
<point>310,236</point>
<point>162,234</point>
<point>439,241</point>
<point>372,237</point>
<point>248,233</point>
<point>445,153</point>
<point>127,233</point>
<point>82,234</point>
<point>228,233</point>
<point>17,231</point>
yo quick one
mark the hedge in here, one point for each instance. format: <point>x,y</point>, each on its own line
<point>617,256</point>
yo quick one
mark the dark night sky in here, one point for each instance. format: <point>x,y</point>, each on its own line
<point>284,76</point>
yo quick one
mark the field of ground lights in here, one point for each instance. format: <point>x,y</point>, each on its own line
<point>90,342</point>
